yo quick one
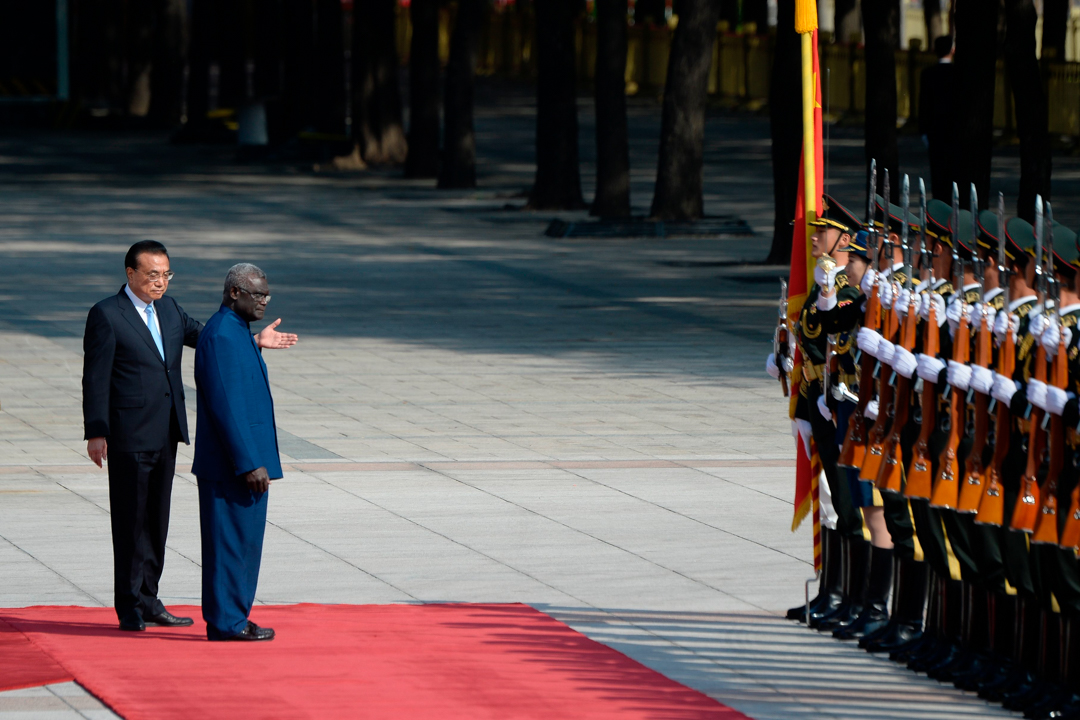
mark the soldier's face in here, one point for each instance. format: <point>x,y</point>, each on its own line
<point>823,240</point>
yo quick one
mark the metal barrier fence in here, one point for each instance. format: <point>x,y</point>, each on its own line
<point>741,64</point>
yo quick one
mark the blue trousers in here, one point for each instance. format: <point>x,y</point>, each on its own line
<point>233,523</point>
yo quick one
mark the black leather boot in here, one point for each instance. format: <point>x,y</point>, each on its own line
<point>856,574</point>
<point>829,587</point>
<point>875,614</point>
<point>909,600</point>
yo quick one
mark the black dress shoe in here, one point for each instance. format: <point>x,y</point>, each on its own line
<point>132,623</point>
<point>253,633</point>
<point>167,619</point>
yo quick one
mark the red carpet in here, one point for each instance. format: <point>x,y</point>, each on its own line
<point>359,661</point>
<point>23,665</point>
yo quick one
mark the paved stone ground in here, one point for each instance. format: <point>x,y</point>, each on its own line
<point>475,412</point>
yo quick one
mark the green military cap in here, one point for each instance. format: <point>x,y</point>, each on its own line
<point>835,215</point>
<point>1066,253</point>
<point>939,216</point>
<point>897,216</point>
<point>988,235</point>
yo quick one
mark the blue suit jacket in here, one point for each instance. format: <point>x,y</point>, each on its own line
<point>235,433</point>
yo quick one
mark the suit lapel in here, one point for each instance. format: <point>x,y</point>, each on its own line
<point>132,316</point>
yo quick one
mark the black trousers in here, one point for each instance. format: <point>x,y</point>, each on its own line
<point>140,493</point>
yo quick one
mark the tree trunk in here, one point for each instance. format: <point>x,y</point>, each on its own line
<point>935,21</point>
<point>785,121</point>
<point>612,139</point>
<point>847,21</point>
<point>378,132</point>
<point>976,61</point>
<point>881,22</point>
<point>459,137</point>
<point>679,175</point>
<point>1054,28</point>
<point>558,179</point>
<point>168,57</point>
<point>1030,102</point>
<point>423,157</point>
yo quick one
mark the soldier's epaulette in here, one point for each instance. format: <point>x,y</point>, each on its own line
<point>899,277</point>
<point>1074,352</point>
<point>944,289</point>
<point>1024,309</point>
<point>1069,320</point>
<point>998,301</point>
<point>972,296</point>
<point>1025,346</point>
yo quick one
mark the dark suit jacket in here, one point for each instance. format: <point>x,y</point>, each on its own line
<point>236,432</point>
<point>937,94</point>
<point>130,396</point>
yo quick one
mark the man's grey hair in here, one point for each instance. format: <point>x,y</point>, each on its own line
<point>239,274</point>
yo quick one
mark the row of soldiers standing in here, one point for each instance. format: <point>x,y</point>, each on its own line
<point>938,380</point>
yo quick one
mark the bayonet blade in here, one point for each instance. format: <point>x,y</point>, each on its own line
<point>871,214</point>
<point>905,201</point>
<point>886,244</point>
<point>926,258</point>
<point>954,231</point>
<point>1040,281</point>
<point>976,258</point>
<point>1003,266</point>
<point>1051,280</point>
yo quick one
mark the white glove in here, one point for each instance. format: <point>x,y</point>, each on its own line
<point>787,363</point>
<point>1055,400</point>
<point>871,410</point>
<point>954,313</point>
<point>977,311</point>
<point>869,340</point>
<point>867,283</point>
<point>886,295</point>
<point>1037,325</point>
<point>823,408</point>
<point>885,352</point>
<point>930,368</point>
<point>932,298</point>
<point>1004,388</point>
<point>959,375</point>
<point>982,379</point>
<point>825,279</point>
<point>904,363</point>
<point>903,299</point>
<point>770,367</point>
<point>1051,335</point>
<point>826,303</point>
<point>1002,322</point>
<point>1036,393</point>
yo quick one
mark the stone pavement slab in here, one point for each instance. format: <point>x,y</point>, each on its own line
<point>474,413</point>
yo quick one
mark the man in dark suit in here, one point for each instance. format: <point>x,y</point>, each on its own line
<point>134,415</point>
<point>936,101</point>
<point>236,456</point>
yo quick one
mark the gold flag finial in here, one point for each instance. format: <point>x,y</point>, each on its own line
<point>805,16</point>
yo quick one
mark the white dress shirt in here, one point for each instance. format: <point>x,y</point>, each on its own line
<point>141,307</point>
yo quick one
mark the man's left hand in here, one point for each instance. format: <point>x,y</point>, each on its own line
<point>271,339</point>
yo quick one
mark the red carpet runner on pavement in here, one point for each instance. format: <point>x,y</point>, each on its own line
<point>23,665</point>
<point>351,661</point>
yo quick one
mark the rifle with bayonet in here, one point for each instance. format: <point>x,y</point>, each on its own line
<point>890,476</point>
<point>919,480</point>
<point>992,504</point>
<point>780,337</point>
<point>971,489</point>
<point>1027,501</point>
<point>946,491</point>
<point>853,451</point>
<point>1046,524</point>
<point>875,446</point>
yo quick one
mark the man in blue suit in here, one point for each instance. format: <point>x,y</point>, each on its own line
<point>236,456</point>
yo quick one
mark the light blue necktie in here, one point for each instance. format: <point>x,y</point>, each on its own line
<point>154,330</point>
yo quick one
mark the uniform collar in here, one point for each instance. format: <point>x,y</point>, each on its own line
<point>1015,304</point>
<point>1069,309</point>
<point>991,294</point>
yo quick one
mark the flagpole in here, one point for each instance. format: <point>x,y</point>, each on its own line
<point>806,25</point>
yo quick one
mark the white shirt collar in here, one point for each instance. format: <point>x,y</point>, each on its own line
<point>1069,309</point>
<point>139,304</point>
<point>939,282</point>
<point>991,294</point>
<point>971,286</point>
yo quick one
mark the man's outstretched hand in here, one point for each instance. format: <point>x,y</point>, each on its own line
<point>257,480</point>
<point>98,450</point>
<point>271,339</point>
